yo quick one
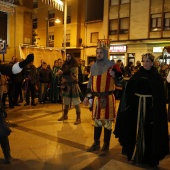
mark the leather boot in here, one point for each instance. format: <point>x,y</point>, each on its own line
<point>96,144</point>
<point>6,150</point>
<point>105,148</point>
<point>64,117</point>
<point>78,120</point>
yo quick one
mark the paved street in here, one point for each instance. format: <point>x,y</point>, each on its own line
<point>40,142</point>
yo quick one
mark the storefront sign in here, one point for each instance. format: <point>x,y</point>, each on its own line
<point>157,49</point>
<point>117,48</point>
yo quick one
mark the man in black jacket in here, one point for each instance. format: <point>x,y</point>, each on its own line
<point>30,78</point>
<point>7,69</point>
<point>45,76</point>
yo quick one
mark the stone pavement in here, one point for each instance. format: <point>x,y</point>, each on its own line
<point>39,142</point>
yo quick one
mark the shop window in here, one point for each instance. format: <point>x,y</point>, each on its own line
<point>94,37</point>
<point>167,21</point>
<point>113,26</point>
<point>124,26</point>
<point>156,22</point>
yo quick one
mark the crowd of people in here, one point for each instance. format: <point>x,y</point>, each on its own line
<point>43,82</point>
<point>31,82</point>
<point>141,112</point>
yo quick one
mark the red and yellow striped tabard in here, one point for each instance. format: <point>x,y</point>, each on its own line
<point>103,83</point>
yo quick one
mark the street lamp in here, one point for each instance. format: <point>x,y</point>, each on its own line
<point>57,21</point>
<point>65,24</point>
<point>58,4</point>
<point>47,25</point>
<point>47,37</point>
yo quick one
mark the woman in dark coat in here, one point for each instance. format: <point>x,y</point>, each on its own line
<point>142,128</point>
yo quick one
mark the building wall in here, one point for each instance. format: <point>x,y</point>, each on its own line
<point>101,28</point>
<point>140,39</point>
<point>139,17</point>
<point>75,28</point>
<point>15,32</point>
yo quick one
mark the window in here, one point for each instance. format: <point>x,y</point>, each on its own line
<point>34,23</point>
<point>94,37</point>
<point>124,1</point>
<point>156,22</point>
<point>35,3</point>
<point>67,40</point>
<point>67,37</point>
<point>94,11</point>
<point>51,18</point>
<point>51,40</point>
<point>120,26</point>
<point>124,26</point>
<point>114,2</point>
<point>51,37</point>
<point>113,26</point>
<point>68,14</point>
<point>3,27</point>
<point>167,21</point>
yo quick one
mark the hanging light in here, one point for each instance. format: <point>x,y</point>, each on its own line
<point>58,4</point>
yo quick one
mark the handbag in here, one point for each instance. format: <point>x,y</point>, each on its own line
<point>4,127</point>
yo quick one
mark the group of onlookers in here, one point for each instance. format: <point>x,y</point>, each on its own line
<point>42,83</point>
<point>130,68</point>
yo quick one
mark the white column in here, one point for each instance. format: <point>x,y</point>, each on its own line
<point>65,25</point>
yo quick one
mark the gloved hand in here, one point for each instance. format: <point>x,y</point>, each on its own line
<point>29,59</point>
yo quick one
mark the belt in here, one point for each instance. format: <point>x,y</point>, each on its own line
<point>141,108</point>
<point>70,83</point>
<point>143,95</point>
<point>102,94</point>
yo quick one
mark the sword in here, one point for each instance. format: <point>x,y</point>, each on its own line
<point>62,103</point>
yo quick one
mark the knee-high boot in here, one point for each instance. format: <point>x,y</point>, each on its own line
<point>96,144</point>
<point>105,148</point>
<point>64,116</point>
<point>78,119</point>
<point>6,150</point>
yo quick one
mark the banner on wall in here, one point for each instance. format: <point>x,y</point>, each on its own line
<point>45,54</point>
<point>2,47</point>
